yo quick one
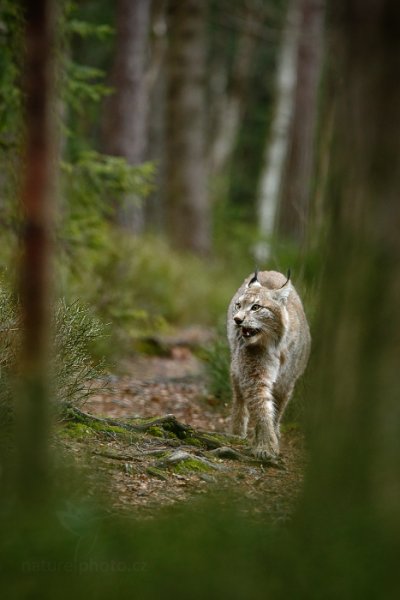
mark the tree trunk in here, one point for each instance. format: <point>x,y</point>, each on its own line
<point>277,146</point>
<point>156,82</point>
<point>188,208</point>
<point>352,500</point>
<point>32,408</point>
<point>297,180</point>
<point>125,115</point>
<point>230,97</point>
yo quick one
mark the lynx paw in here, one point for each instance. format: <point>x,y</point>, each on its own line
<point>265,455</point>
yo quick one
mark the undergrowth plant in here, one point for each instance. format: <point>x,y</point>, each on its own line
<point>217,365</point>
<point>76,374</point>
<point>141,286</point>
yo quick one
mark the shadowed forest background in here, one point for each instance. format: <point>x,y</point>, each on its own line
<point>152,153</point>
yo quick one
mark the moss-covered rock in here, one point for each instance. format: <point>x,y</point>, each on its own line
<point>193,465</point>
<point>181,461</point>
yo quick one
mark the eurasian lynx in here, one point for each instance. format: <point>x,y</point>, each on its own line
<point>270,342</point>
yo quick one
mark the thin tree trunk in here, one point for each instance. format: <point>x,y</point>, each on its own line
<point>296,191</point>
<point>277,146</point>
<point>125,116</point>
<point>36,198</point>
<point>188,208</point>
<point>158,43</point>
<point>232,96</point>
<point>156,84</point>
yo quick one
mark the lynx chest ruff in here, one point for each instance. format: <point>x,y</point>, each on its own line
<point>269,339</point>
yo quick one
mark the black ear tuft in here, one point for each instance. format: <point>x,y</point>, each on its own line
<point>254,279</point>
<point>287,279</point>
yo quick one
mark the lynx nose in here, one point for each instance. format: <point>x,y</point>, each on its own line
<point>238,320</point>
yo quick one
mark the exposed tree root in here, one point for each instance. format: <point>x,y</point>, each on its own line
<point>172,433</point>
<point>167,423</point>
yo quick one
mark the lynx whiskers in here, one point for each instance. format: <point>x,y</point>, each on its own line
<point>269,339</point>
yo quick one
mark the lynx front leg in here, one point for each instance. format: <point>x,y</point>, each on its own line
<point>240,414</point>
<point>282,397</point>
<point>266,444</point>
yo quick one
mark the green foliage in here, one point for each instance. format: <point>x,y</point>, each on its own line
<point>217,362</point>
<point>90,184</point>
<point>76,372</point>
<point>140,286</point>
<point>9,343</point>
<point>92,180</point>
<point>84,29</point>
<point>10,119</point>
<point>10,55</point>
<point>77,375</point>
<point>84,84</point>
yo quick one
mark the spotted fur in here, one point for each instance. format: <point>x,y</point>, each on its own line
<point>269,339</point>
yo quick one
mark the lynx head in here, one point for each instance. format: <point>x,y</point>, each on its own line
<point>260,313</point>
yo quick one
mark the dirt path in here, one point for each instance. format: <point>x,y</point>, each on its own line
<point>143,472</point>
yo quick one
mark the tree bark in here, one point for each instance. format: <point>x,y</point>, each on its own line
<point>277,146</point>
<point>156,82</point>
<point>231,94</point>
<point>297,180</point>
<point>33,399</point>
<point>188,208</point>
<point>125,114</point>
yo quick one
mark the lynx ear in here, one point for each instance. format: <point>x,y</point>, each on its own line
<point>282,294</point>
<point>254,280</point>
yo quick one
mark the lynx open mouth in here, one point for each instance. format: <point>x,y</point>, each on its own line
<point>248,332</point>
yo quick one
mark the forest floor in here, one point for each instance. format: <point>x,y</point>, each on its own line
<point>143,463</point>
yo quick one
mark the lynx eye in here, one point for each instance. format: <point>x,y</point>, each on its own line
<point>256,307</point>
<point>238,306</point>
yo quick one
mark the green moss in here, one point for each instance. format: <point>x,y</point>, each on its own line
<point>92,427</point>
<point>156,431</point>
<point>77,430</point>
<point>194,442</point>
<point>191,465</point>
<point>213,441</point>
<point>144,420</point>
<point>104,428</point>
<point>114,430</point>
<point>225,438</point>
